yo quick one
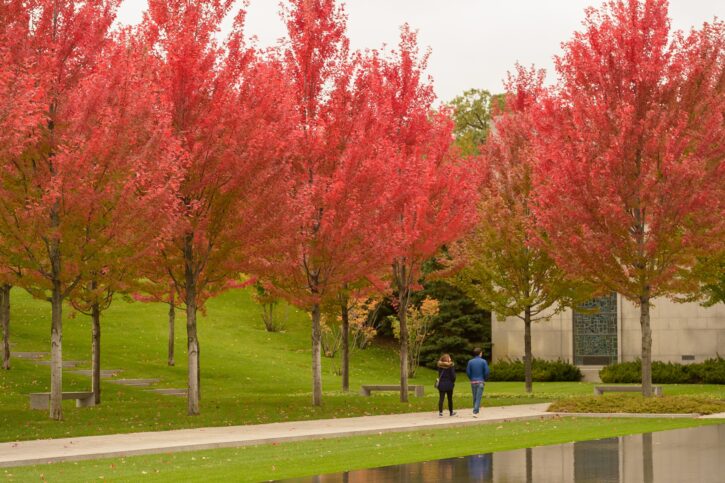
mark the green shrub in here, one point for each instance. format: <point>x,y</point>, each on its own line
<point>671,373</point>
<point>711,371</point>
<point>541,371</point>
<point>624,372</point>
<point>507,371</point>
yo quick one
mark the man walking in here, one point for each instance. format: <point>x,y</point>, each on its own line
<point>477,371</point>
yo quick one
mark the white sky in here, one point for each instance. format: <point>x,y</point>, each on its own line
<point>474,42</point>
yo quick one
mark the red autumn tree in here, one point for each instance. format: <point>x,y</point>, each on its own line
<point>503,269</point>
<point>630,189</point>
<point>59,193</point>
<point>228,114</point>
<point>42,232</point>
<point>338,169</point>
<point>122,138</point>
<point>20,113</point>
<point>432,194</point>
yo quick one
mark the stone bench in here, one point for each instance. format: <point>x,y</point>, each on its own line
<point>41,400</point>
<point>63,363</point>
<point>135,382</point>
<point>169,391</point>
<point>365,390</point>
<point>599,390</point>
<point>105,373</point>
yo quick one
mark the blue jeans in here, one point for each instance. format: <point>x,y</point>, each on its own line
<point>477,390</point>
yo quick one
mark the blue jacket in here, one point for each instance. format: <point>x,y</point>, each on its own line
<point>477,369</point>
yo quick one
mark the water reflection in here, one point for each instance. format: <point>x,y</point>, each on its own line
<point>694,455</point>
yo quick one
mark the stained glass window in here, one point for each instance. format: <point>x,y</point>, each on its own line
<point>595,331</point>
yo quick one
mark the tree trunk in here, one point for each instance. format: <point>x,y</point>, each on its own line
<point>528,358</point>
<point>5,316</point>
<point>96,352</point>
<point>646,344</point>
<point>56,353</point>
<point>172,320</point>
<point>316,356</point>
<point>401,276</point>
<point>191,335</point>
<point>345,345</point>
<point>403,319</point>
<point>56,299</point>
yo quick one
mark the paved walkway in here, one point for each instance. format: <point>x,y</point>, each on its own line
<point>116,445</point>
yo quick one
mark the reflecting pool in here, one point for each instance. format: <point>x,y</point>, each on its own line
<point>694,455</point>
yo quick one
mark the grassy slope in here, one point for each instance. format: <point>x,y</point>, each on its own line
<point>248,375</point>
<point>306,458</point>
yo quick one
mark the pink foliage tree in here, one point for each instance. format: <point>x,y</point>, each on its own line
<point>229,118</point>
<point>128,190</point>
<point>630,187</point>
<point>432,190</point>
<point>337,169</point>
<point>65,192</point>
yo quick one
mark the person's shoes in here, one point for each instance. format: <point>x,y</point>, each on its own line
<point>475,415</point>
<point>453,413</point>
<point>440,414</point>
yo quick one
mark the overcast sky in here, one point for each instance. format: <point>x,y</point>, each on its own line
<point>474,42</point>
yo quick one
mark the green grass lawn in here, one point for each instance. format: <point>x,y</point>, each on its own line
<point>249,376</point>
<point>288,460</point>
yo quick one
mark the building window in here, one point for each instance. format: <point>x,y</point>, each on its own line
<point>595,331</point>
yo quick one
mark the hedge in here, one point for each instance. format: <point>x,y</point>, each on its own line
<point>711,371</point>
<point>541,371</point>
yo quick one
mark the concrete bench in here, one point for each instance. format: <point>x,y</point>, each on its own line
<point>367,389</point>
<point>599,390</point>
<point>41,400</point>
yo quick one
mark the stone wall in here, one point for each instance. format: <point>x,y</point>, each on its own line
<point>677,330</point>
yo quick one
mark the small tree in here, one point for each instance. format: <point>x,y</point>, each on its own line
<point>268,302</point>
<point>359,333</point>
<point>331,335</point>
<point>147,291</point>
<point>419,321</point>
<point>361,314</point>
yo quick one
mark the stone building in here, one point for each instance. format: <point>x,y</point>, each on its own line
<point>610,332</point>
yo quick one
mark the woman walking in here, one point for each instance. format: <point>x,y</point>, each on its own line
<point>446,382</point>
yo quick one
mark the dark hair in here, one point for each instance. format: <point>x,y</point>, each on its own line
<point>477,351</point>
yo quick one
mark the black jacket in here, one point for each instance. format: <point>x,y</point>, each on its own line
<point>446,377</point>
